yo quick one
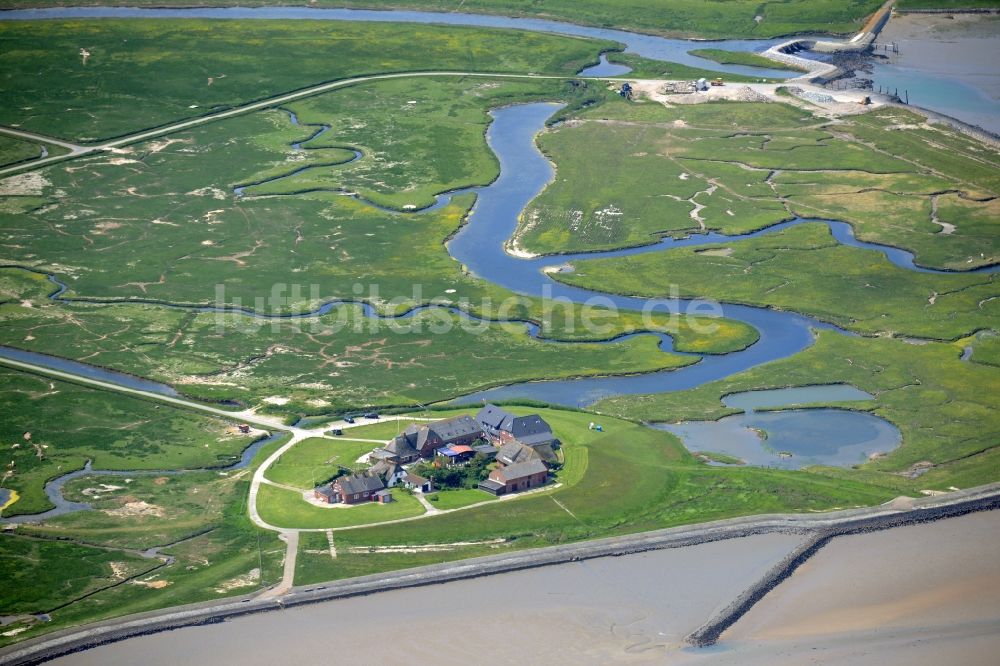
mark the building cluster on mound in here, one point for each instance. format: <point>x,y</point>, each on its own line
<point>495,451</point>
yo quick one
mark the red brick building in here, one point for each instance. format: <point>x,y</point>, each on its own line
<point>515,478</point>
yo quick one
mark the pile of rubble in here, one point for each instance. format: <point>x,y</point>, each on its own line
<point>816,97</point>
<point>748,94</point>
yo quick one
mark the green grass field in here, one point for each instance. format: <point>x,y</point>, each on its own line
<point>458,498</point>
<point>35,572</point>
<point>385,430</point>
<point>634,478</point>
<point>221,553</point>
<point>313,461</point>
<point>328,244</point>
<point>284,508</point>
<point>725,18</point>
<point>159,221</point>
<point>14,150</point>
<point>645,68</point>
<point>338,362</point>
<point>804,269</point>
<point>725,57</point>
<point>945,408</point>
<point>144,511</point>
<point>175,69</point>
<point>738,167</point>
<point>69,424</point>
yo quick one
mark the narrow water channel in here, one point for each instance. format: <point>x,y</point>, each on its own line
<point>479,246</point>
<point>648,46</point>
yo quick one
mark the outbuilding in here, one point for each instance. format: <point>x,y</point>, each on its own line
<point>515,478</point>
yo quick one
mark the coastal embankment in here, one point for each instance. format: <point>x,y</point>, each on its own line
<point>824,526</point>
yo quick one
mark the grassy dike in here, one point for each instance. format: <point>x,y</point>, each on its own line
<point>724,57</point>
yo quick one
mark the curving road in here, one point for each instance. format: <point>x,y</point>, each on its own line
<point>78,150</point>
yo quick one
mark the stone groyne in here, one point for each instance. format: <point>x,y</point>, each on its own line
<point>710,632</point>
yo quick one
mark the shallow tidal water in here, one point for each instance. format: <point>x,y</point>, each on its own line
<point>920,594</point>
<point>946,63</point>
<point>630,609</point>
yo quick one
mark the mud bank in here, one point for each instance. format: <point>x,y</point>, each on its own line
<point>710,632</point>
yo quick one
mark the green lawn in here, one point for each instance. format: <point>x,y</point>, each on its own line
<point>385,430</point>
<point>458,498</point>
<point>315,460</point>
<point>636,478</point>
<point>284,508</point>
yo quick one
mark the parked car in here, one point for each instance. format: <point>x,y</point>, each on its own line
<point>371,415</point>
<point>348,419</point>
<point>337,431</point>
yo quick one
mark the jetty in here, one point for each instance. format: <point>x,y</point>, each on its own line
<point>822,72</point>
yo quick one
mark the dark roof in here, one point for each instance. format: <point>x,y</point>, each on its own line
<point>523,426</point>
<point>327,492</point>
<point>486,450</point>
<point>491,484</point>
<point>360,483</point>
<point>447,451</point>
<point>514,452</point>
<point>521,470</point>
<point>384,469</point>
<point>546,453</point>
<point>455,428</point>
<point>538,438</point>
<point>401,447</point>
<point>493,416</point>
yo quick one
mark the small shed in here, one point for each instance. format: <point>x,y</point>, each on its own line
<point>418,483</point>
<point>383,496</point>
<point>493,487</point>
<point>327,495</point>
<point>487,450</point>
